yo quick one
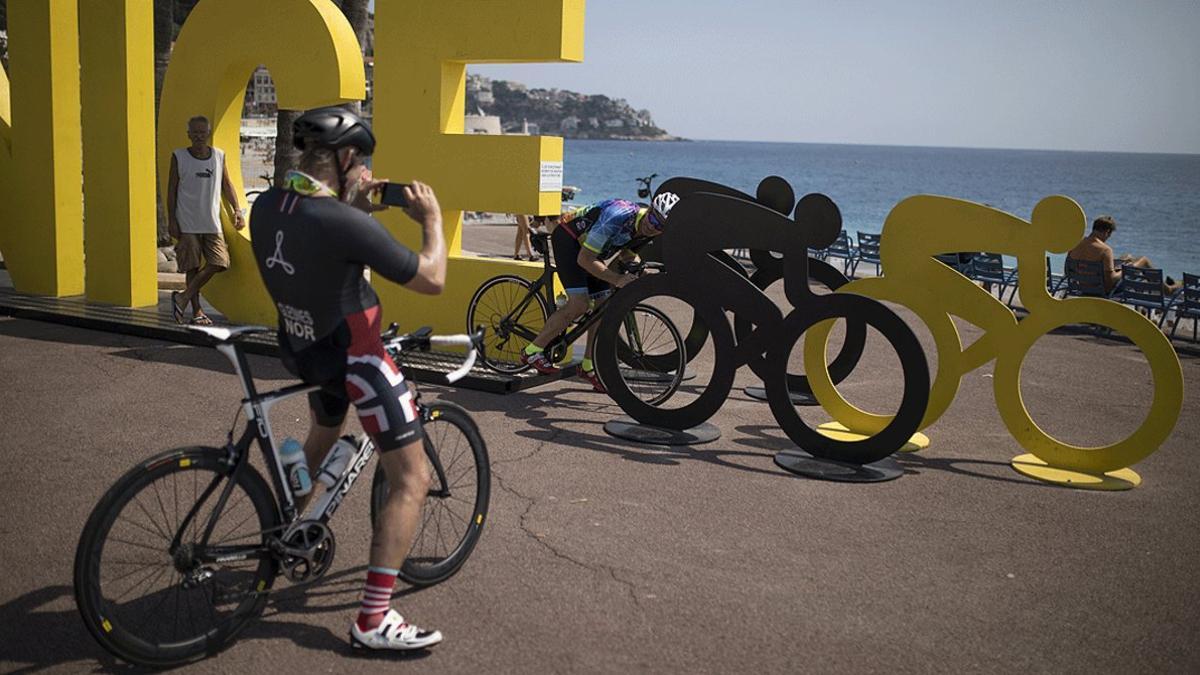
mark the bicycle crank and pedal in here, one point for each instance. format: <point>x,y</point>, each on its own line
<point>305,551</point>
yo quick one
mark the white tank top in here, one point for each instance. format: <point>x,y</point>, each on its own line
<point>198,198</point>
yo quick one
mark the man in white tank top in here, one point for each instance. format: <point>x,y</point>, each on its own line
<point>197,182</point>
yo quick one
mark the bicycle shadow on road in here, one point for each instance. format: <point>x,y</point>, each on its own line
<point>32,640</point>
<point>536,411</point>
<point>338,592</point>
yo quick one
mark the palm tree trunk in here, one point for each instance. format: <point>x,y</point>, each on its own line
<point>164,32</point>
<point>286,155</point>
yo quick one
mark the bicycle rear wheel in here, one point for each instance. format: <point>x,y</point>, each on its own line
<point>456,506</point>
<point>510,318</point>
<point>153,606</point>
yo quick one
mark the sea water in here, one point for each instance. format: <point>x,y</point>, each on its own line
<point>1155,199</point>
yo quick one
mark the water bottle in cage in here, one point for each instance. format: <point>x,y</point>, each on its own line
<point>335,462</point>
<point>291,455</point>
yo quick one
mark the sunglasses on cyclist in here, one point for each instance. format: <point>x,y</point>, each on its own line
<point>655,221</point>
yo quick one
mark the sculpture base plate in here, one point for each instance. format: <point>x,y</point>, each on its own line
<point>632,430</point>
<point>804,464</point>
<point>798,398</point>
<point>1120,479</point>
<point>837,431</point>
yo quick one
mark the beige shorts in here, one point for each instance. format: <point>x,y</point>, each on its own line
<point>192,248</point>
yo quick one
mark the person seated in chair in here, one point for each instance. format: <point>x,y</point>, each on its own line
<point>1094,248</point>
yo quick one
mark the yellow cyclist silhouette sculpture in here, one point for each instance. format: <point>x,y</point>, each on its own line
<point>924,225</point>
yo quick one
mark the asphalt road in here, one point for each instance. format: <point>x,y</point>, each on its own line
<point>604,556</point>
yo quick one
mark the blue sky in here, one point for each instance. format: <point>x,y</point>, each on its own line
<point>1063,74</point>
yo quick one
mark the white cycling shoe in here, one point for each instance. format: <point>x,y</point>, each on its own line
<point>394,634</point>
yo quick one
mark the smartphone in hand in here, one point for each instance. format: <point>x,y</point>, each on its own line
<point>392,194</point>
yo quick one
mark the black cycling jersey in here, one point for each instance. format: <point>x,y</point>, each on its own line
<point>311,252</point>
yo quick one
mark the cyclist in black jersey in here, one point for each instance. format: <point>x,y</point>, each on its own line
<point>312,239</point>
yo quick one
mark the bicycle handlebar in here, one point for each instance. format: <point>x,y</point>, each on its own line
<point>629,267</point>
<point>423,339</point>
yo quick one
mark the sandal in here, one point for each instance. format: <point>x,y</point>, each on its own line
<point>175,309</point>
<point>201,320</point>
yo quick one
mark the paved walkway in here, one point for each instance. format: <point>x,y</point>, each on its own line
<point>604,556</point>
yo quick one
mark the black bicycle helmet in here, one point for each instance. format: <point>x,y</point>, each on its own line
<point>333,128</point>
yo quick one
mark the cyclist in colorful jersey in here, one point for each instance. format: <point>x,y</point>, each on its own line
<point>312,239</point>
<point>584,242</point>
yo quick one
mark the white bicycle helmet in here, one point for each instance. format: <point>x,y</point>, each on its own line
<point>661,208</point>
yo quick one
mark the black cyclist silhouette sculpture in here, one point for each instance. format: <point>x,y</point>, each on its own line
<point>710,218</point>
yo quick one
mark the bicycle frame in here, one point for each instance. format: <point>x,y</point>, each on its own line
<point>258,427</point>
<point>545,286</point>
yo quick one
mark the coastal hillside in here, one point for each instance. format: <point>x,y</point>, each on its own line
<point>563,113</point>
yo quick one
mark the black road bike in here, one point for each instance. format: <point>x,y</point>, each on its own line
<point>179,555</point>
<point>650,353</point>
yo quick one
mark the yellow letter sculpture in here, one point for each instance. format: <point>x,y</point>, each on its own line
<point>41,202</point>
<point>314,60</point>
<point>117,53</point>
<point>422,49</point>
<point>922,226</point>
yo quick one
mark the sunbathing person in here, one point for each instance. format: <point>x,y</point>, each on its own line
<point>1094,248</point>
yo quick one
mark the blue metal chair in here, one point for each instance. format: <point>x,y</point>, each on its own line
<point>989,268</point>
<point>1085,278</point>
<point>1186,303</point>
<point>841,248</point>
<point>868,252</point>
<point>1143,287</point>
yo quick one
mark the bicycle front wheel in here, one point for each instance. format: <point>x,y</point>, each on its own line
<point>454,511</point>
<point>1165,371</point>
<point>652,354</point>
<point>512,316</point>
<point>156,604</point>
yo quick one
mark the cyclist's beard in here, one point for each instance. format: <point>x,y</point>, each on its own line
<point>350,193</point>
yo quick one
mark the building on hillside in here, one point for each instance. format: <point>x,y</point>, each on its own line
<point>481,87</point>
<point>569,124</point>
<point>481,123</point>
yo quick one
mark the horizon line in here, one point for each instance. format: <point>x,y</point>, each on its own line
<point>910,145</point>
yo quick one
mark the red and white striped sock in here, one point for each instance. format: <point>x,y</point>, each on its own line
<point>377,597</point>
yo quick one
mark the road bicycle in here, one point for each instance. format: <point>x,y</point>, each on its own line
<point>180,554</point>
<point>512,310</point>
<point>923,226</point>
